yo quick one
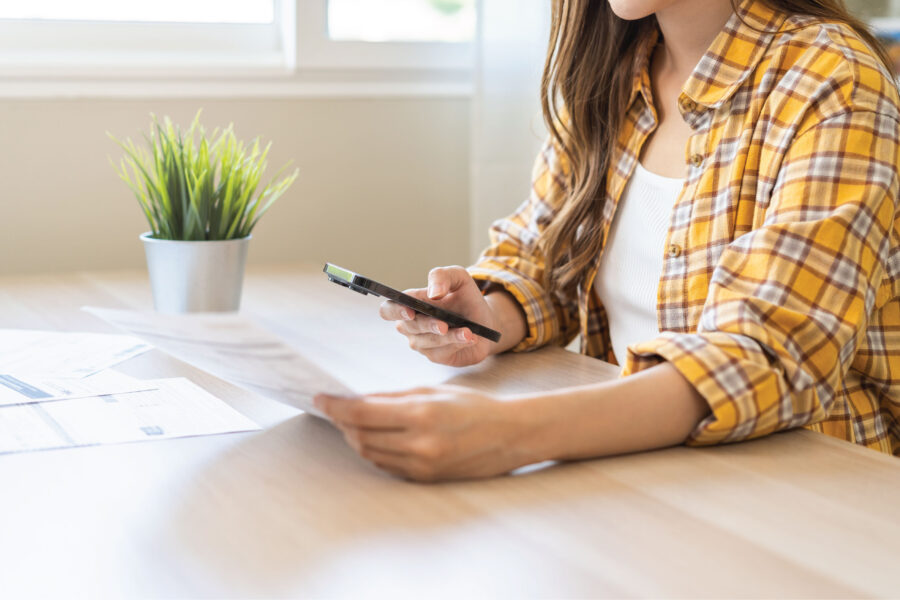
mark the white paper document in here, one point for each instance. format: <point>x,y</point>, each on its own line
<point>232,348</point>
<point>19,388</point>
<point>177,408</point>
<point>64,354</point>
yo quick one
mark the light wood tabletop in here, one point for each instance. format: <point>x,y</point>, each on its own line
<point>291,511</point>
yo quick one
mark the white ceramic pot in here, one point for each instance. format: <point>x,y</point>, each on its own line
<point>196,276</point>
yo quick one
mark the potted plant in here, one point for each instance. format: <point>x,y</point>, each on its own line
<point>200,194</point>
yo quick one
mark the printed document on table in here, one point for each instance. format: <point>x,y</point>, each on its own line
<point>177,408</point>
<point>16,388</point>
<point>233,348</point>
<point>64,354</point>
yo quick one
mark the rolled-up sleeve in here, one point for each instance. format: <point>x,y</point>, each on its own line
<point>514,261</point>
<point>789,300</point>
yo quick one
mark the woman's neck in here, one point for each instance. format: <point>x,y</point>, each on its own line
<point>688,28</point>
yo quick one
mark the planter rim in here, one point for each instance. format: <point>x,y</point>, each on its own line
<point>147,237</point>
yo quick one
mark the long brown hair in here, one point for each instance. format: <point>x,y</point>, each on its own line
<point>588,75</point>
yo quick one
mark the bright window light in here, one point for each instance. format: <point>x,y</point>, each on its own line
<point>401,20</point>
<point>159,11</point>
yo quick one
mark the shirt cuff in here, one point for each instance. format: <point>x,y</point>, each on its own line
<point>746,395</point>
<point>536,304</point>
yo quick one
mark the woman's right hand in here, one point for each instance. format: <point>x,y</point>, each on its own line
<point>453,289</point>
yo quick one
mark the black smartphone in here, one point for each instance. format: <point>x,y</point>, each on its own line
<point>364,285</point>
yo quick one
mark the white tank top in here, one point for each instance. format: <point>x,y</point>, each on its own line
<point>632,260</point>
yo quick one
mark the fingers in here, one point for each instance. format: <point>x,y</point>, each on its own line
<point>422,324</point>
<point>443,280</point>
<point>427,325</point>
<point>424,332</point>
<point>456,339</point>
<point>399,452</point>
<point>403,466</point>
<point>391,311</point>
<point>392,441</point>
<point>362,413</point>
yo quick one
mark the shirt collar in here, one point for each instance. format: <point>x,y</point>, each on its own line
<point>734,54</point>
<point>730,59</point>
<point>641,83</point>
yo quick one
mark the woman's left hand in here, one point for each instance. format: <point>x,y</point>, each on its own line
<point>443,432</point>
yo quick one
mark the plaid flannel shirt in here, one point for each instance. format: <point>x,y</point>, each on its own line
<point>778,299</point>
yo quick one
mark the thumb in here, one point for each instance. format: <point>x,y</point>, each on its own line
<point>443,280</point>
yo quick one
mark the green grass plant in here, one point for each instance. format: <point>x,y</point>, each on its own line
<point>193,186</point>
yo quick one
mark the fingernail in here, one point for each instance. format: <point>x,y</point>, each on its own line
<point>432,290</point>
<point>462,336</point>
<point>436,328</point>
<point>404,314</point>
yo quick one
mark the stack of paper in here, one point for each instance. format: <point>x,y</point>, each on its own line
<point>232,348</point>
<point>64,354</point>
<point>57,390</point>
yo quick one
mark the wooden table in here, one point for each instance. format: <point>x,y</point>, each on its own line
<point>292,511</point>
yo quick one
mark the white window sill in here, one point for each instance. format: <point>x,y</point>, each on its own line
<point>223,79</point>
<point>230,89</point>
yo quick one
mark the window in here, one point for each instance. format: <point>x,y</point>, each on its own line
<point>161,11</point>
<point>402,20</point>
<point>260,46</point>
<point>387,34</point>
<point>47,37</point>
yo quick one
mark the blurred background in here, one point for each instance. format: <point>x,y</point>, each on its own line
<point>414,123</point>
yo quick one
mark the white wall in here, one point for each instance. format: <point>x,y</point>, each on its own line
<point>383,187</point>
<point>507,127</point>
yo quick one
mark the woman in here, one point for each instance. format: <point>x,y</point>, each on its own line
<point>715,210</point>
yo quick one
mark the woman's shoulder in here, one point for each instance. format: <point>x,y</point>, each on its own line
<point>833,65</point>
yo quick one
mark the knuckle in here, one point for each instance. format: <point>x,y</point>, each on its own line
<point>429,341</point>
<point>424,414</point>
<point>429,447</point>
<point>418,324</point>
<point>356,412</point>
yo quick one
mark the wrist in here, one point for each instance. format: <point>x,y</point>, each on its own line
<point>538,426</point>
<point>508,318</point>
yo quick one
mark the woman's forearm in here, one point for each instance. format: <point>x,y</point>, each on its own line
<point>656,408</point>
<point>652,409</point>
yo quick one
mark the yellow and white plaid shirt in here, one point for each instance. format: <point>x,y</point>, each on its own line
<point>779,294</point>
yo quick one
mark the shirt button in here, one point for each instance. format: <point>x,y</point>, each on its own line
<point>674,251</point>
<point>688,105</point>
<point>696,159</point>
